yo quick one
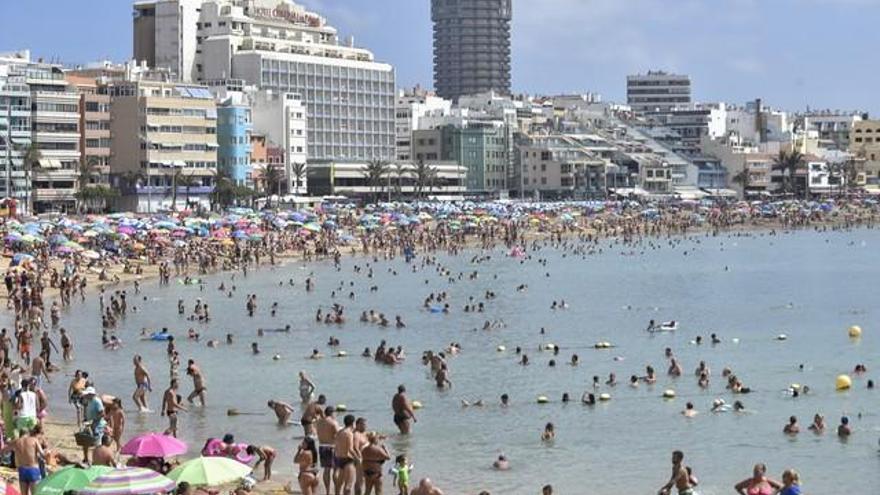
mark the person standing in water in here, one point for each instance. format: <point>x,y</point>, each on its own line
<point>170,406</point>
<point>680,478</point>
<point>142,385</point>
<point>198,379</point>
<point>306,387</point>
<point>403,411</point>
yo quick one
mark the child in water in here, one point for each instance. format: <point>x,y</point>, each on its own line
<point>401,471</point>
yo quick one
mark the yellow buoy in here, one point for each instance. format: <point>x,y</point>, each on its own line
<point>501,348</point>
<point>669,394</point>
<point>341,354</point>
<point>855,331</point>
<point>341,408</point>
<point>844,382</point>
<point>795,386</point>
<point>549,347</point>
<point>416,404</point>
<point>604,397</point>
<point>542,399</point>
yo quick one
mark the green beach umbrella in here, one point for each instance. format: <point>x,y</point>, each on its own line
<point>209,471</point>
<point>69,478</point>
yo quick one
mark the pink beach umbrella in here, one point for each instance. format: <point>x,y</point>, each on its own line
<point>154,445</point>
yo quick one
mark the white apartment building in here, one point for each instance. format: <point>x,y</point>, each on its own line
<point>412,105</point>
<point>15,126</point>
<point>833,127</point>
<point>282,118</point>
<point>657,92</point>
<point>280,46</point>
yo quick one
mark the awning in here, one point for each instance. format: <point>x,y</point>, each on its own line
<point>721,193</point>
<point>629,191</point>
<point>691,193</point>
<point>49,163</point>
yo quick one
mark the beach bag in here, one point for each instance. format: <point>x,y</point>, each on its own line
<point>84,438</point>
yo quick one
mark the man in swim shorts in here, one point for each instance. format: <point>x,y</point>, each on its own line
<point>327,428</point>
<point>311,412</point>
<point>403,410</point>
<point>27,456</point>
<point>347,457</point>
<point>142,384</point>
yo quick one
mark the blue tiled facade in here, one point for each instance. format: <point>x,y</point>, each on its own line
<point>234,126</point>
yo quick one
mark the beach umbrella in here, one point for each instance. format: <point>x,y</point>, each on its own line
<point>92,255</point>
<point>312,227</point>
<point>128,481</point>
<point>69,478</point>
<point>20,258</point>
<point>209,471</point>
<point>154,445</point>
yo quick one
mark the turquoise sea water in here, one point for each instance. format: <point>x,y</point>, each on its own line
<point>809,286</point>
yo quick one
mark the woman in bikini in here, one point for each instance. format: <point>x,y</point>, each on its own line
<point>374,455</point>
<point>306,457</point>
<point>758,484</point>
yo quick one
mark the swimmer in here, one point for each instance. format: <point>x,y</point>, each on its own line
<point>549,433</point>
<point>501,464</point>
<point>689,411</point>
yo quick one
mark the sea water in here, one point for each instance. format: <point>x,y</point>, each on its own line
<point>748,290</point>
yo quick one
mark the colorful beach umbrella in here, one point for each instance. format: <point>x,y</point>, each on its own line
<point>210,471</point>
<point>128,481</point>
<point>154,445</point>
<point>69,478</point>
<point>7,488</point>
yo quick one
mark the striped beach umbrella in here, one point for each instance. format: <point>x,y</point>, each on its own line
<point>129,481</point>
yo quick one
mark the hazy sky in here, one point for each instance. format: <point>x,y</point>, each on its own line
<point>792,53</point>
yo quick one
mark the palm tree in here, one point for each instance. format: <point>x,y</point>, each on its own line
<point>425,176</point>
<point>742,178</point>
<point>31,160</point>
<point>398,170</point>
<point>96,195</point>
<point>274,178</point>
<point>186,181</point>
<point>374,171</point>
<point>224,189</point>
<point>788,163</point>
<point>87,171</point>
<point>298,170</point>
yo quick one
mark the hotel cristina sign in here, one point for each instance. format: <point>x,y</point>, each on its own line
<point>293,17</point>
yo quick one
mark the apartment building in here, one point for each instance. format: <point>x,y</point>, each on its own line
<point>162,132</point>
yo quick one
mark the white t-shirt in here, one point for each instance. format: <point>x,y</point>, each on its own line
<point>28,404</point>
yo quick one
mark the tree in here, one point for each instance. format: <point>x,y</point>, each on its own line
<point>98,195</point>
<point>223,194</point>
<point>87,171</point>
<point>375,171</point>
<point>425,175</point>
<point>789,163</point>
<point>186,181</point>
<point>398,170</point>
<point>274,179</point>
<point>742,178</point>
<point>31,160</point>
<point>298,170</point>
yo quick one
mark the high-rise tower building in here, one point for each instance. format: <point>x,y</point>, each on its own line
<point>471,46</point>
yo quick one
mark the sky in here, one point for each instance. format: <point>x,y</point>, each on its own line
<point>791,53</point>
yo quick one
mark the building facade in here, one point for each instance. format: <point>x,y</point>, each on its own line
<point>471,46</point>
<point>15,127</point>
<point>164,145</point>
<point>281,117</point>
<point>164,34</point>
<point>657,92</point>
<point>411,107</point>
<point>556,167</point>
<point>280,46</point>
<point>94,105</point>
<point>55,117</point>
<point>234,126</point>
